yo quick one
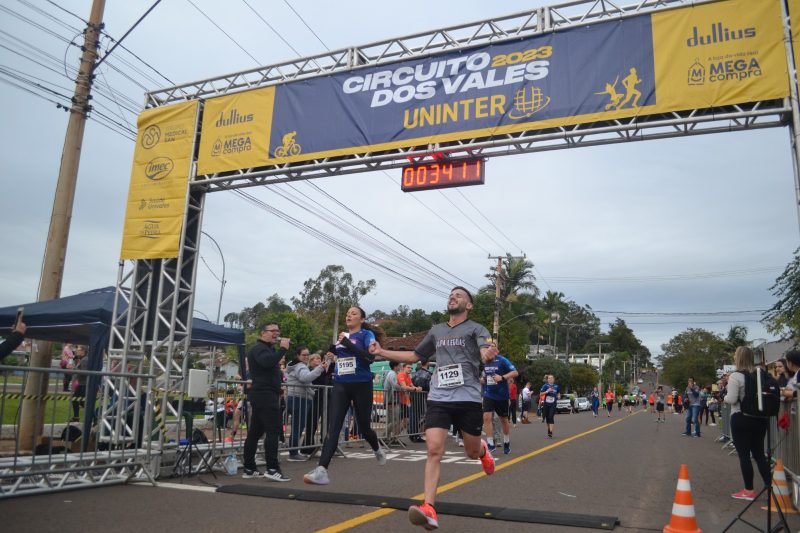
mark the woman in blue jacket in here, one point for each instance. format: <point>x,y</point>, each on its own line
<point>352,382</point>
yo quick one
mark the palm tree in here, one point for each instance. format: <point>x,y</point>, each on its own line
<point>516,275</point>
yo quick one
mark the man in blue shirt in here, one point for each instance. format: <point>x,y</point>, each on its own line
<point>495,398</point>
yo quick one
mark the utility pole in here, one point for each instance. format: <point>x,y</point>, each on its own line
<point>498,285</point>
<point>56,247</point>
<point>498,280</point>
<point>600,362</point>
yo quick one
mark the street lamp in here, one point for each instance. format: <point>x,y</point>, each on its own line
<point>497,340</point>
<point>222,281</point>
<point>554,318</point>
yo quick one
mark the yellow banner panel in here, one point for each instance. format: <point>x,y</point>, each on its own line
<point>719,54</point>
<point>159,182</point>
<point>236,131</point>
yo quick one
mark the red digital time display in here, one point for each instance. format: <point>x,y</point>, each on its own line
<point>441,174</point>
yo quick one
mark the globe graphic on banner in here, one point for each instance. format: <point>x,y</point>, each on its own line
<point>527,102</point>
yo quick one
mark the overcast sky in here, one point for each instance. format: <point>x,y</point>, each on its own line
<point>711,218</point>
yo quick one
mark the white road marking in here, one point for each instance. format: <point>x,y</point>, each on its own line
<point>181,486</point>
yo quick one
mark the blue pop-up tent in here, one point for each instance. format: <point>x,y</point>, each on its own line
<point>85,318</point>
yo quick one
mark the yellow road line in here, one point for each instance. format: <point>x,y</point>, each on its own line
<point>374,515</point>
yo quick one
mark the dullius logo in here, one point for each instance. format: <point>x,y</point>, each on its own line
<point>718,33</point>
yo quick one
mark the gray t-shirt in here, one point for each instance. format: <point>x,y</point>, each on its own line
<point>460,344</point>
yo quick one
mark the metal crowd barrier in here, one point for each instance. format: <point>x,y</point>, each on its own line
<point>63,457</point>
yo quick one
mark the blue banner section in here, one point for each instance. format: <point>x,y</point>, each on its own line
<point>604,70</point>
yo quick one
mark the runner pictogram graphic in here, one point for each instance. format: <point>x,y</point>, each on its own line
<point>619,100</point>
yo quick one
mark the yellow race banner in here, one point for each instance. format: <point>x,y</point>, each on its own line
<point>236,131</point>
<point>159,182</point>
<point>719,54</point>
<point>695,57</point>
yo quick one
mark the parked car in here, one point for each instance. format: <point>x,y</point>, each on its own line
<point>583,404</point>
<point>562,405</point>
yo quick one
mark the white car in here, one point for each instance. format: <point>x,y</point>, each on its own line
<point>582,404</point>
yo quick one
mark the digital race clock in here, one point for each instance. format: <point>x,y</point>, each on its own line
<point>441,174</point>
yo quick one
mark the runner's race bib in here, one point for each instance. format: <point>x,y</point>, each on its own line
<point>549,399</point>
<point>346,366</point>
<point>450,376</point>
<point>490,380</point>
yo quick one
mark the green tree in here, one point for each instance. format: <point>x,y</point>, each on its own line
<point>622,339</point>
<point>783,318</point>
<point>737,336</point>
<point>334,285</point>
<point>583,378</point>
<point>516,275</point>
<point>693,353</point>
<point>333,289</point>
<point>536,370</point>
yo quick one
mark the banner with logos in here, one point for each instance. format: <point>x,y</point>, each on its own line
<point>236,131</point>
<point>701,56</point>
<point>159,182</point>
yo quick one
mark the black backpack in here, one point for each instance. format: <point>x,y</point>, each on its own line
<point>770,394</point>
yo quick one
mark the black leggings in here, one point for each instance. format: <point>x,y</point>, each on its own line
<point>360,394</point>
<point>748,437</point>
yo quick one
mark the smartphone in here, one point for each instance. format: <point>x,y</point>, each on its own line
<point>20,311</point>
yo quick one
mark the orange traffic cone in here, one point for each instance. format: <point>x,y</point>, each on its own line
<point>683,519</point>
<point>781,495</point>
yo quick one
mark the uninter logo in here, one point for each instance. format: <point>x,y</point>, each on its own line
<point>718,34</point>
<point>158,168</point>
<point>232,118</point>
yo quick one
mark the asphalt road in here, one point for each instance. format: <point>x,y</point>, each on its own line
<point>626,466</point>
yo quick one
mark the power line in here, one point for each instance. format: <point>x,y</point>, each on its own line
<point>470,219</point>
<point>306,24</point>
<point>487,252</point>
<point>117,43</point>
<point>668,277</point>
<point>50,16</point>
<point>226,33</point>
<point>271,28</point>
<point>350,210</point>
<point>480,212</point>
<point>67,11</point>
<point>359,235</point>
<point>694,322</point>
<point>337,244</point>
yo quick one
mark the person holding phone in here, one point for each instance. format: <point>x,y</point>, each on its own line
<point>15,338</point>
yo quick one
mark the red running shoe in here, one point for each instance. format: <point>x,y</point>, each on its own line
<point>423,515</point>
<point>745,494</point>
<point>487,461</point>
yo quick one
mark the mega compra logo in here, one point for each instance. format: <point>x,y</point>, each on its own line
<point>151,136</point>
<point>158,168</point>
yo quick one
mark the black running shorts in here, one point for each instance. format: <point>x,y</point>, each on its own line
<point>466,416</point>
<point>498,406</point>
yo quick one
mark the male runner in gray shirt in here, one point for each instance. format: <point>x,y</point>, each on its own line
<point>459,346</point>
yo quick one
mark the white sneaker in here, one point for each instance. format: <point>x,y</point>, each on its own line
<point>712,424</point>
<point>460,443</point>
<point>298,457</point>
<point>318,476</point>
<point>380,455</point>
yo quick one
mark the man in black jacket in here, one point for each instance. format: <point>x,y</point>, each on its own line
<point>263,363</point>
